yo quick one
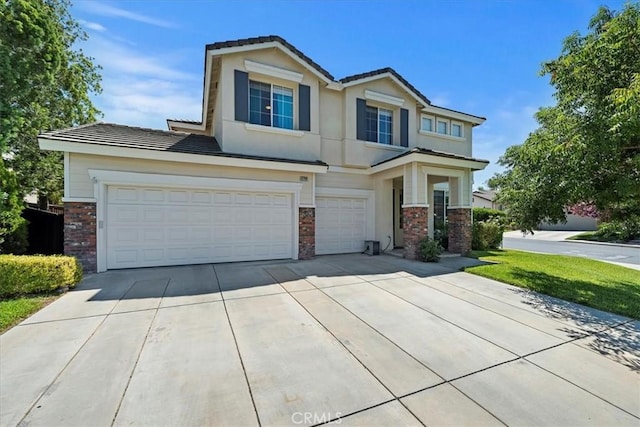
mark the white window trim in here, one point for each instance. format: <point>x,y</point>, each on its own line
<point>461,129</point>
<point>385,146</point>
<point>393,114</point>
<point>276,130</point>
<point>294,100</point>
<point>270,70</point>
<point>433,123</point>
<point>102,178</point>
<point>383,97</point>
<point>448,123</point>
<point>441,135</point>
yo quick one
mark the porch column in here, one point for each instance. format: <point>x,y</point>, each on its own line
<point>459,219</point>
<point>415,219</point>
<point>415,210</point>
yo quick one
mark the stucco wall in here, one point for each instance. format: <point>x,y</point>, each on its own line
<point>332,138</point>
<point>80,184</point>
<point>235,136</point>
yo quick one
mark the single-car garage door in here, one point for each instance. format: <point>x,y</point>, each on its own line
<point>163,226</point>
<point>341,224</point>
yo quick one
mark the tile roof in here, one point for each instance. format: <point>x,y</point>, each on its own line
<point>391,71</point>
<point>432,153</point>
<point>114,135</point>
<point>266,39</point>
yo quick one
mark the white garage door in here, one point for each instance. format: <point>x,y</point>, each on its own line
<point>340,225</point>
<point>162,226</point>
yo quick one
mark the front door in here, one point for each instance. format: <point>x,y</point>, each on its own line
<point>398,234</point>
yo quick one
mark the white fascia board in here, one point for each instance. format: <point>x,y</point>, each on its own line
<point>386,76</point>
<point>443,112</point>
<point>335,86</point>
<point>183,125</point>
<point>109,177</point>
<point>341,169</point>
<point>137,153</point>
<point>383,97</point>
<point>270,70</point>
<point>266,45</point>
<point>427,158</point>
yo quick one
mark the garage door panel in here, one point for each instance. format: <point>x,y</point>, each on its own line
<point>156,226</point>
<point>153,196</point>
<point>340,224</point>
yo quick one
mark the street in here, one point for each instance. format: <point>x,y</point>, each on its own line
<point>610,253</point>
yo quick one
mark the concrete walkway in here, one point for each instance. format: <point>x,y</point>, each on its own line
<point>354,339</point>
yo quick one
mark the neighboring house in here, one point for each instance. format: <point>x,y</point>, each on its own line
<point>485,199</point>
<point>286,163</point>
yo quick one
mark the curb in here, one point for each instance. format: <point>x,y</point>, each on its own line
<point>621,245</point>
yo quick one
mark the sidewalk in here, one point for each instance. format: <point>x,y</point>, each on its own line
<point>560,236</point>
<point>551,236</point>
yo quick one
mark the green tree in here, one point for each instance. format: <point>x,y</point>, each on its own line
<point>587,146</point>
<point>45,83</point>
<point>13,228</point>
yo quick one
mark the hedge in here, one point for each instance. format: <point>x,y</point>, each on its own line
<point>486,235</point>
<point>22,275</point>
<point>486,214</point>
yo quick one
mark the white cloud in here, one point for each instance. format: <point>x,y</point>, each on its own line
<point>103,9</point>
<point>118,59</point>
<point>92,26</point>
<point>140,88</point>
<point>148,103</point>
<point>440,99</point>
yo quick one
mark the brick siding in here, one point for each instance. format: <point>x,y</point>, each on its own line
<point>80,233</point>
<point>414,226</point>
<point>459,221</point>
<point>306,233</point>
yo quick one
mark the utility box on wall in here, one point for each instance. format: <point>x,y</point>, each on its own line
<point>372,247</point>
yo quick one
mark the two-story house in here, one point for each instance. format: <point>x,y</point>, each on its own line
<point>286,162</point>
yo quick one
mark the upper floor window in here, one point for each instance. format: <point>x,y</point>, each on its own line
<point>427,124</point>
<point>456,129</point>
<point>443,127</point>
<point>379,125</point>
<point>270,105</point>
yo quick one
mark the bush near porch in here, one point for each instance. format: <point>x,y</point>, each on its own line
<point>488,226</point>
<point>25,275</point>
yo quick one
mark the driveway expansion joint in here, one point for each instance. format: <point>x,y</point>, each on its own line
<point>235,341</point>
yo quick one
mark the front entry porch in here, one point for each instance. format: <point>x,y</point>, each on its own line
<point>424,198</point>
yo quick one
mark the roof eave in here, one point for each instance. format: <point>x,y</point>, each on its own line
<point>413,156</point>
<point>59,143</point>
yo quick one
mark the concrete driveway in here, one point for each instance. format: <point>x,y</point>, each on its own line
<point>354,339</point>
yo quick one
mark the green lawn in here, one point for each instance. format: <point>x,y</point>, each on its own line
<point>593,283</point>
<point>14,310</point>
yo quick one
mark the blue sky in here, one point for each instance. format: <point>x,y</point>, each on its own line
<point>477,56</point>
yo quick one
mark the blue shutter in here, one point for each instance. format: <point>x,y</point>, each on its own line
<point>241,89</point>
<point>304,107</point>
<point>361,119</point>
<point>404,127</point>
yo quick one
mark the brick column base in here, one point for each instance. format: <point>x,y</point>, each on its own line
<point>460,230</point>
<point>414,226</point>
<point>306,233</point>
<point>80,233</point>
